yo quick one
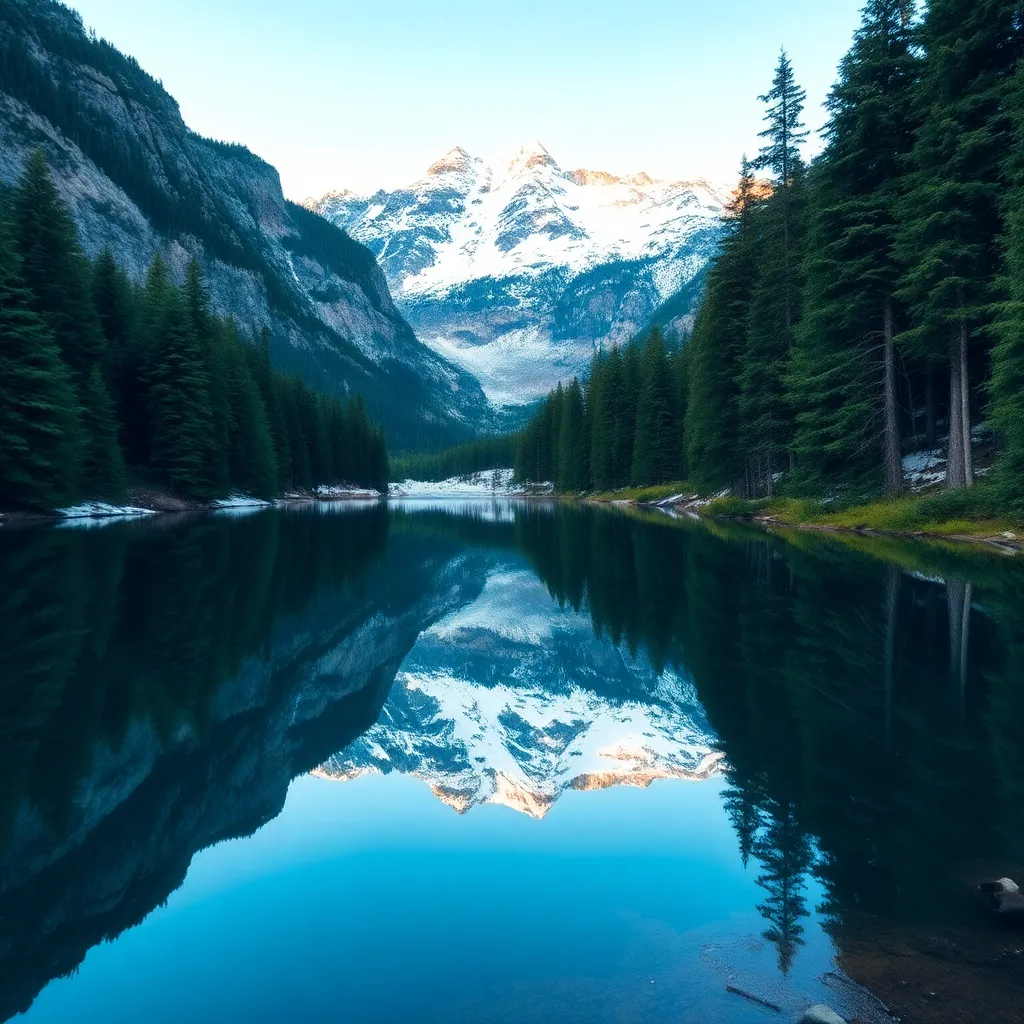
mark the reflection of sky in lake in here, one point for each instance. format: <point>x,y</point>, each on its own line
<point>370,900</point>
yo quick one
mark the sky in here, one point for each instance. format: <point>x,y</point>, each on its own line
<point>366,94</point>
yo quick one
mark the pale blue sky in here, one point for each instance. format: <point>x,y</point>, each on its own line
<point>337,93</point>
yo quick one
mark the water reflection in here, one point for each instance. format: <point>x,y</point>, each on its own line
<point>165,681</point>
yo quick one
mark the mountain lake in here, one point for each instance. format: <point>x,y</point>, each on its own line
<point>505,761</point>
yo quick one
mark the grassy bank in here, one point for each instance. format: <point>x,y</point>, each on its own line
<point>977,512</point>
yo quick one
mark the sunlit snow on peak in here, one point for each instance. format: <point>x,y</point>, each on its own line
<point>571,713</point>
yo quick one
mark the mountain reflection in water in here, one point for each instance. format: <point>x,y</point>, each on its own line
<point>166,681</point>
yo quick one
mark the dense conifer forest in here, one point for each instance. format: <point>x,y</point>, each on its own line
<point>472,457</point>
<point>865,306</point>
<point>106,384</point>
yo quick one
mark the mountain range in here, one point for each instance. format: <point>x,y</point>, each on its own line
<point>518,270</point>
<point>575,712</point>
<point>451,305</point>
<point>139,181</point>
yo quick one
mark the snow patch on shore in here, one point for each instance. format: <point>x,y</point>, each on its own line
<point>103,510</point>
<point>489,483</point>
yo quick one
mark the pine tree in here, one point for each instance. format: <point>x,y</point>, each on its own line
<point>951,217</point>
<point>767,422</point>
<point>843,376</point>
<point>54,268</point>
<point>765,412</point>
<point>265,380</point>
<point>115,307</point>
<point>655,453</point>
<point>299,460</point>
<point>714,454</point>
<point>103,473</point>
<point>601,418</point>
<point>628,374</point>
<point>781,155</point>
<point>572,474</point>
<point>40,435</point>
<point>214,342</point>
<point>179,400</point>
<point>1007,383</point>
<point>251,460</point>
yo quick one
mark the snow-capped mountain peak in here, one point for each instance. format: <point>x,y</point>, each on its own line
<point>517,269</point>
<point>572,713</point>
<point>455,160</point>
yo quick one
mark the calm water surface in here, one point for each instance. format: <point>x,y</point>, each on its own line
<point>494,762</point>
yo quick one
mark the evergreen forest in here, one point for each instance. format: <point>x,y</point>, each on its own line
<point>864,306</point>
<point>108,386</point>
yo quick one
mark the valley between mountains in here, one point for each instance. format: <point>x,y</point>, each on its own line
<point>518,271</point>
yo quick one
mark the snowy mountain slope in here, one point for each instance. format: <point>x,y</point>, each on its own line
<point>574,712</point>
<point>516,271</point>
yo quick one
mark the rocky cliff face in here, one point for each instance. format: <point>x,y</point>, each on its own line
<point>519,271</point>
<point>139,181</point>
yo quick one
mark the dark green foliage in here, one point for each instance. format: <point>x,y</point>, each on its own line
<point>838,374</point>
<point>99,373</point>
<point>54,268</point>
<point>952,212</point>
<point>40,433</point>
<point>714,453</point>
<point>1007,384</point>
<point>103,464</point>
<point>849,294</point>
<point>252,462</point>
<point>487,453</point>
<point>656,441</point>
<point>179,402</point>
<point>624,427</point>
<point>571,469</point>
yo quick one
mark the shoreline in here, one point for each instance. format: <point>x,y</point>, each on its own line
<point>1006,542</point>
<point>155,505</point>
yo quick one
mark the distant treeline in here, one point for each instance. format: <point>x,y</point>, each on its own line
<point>487,453</point>
<point>624,427</point>
<point>103,381</point>
<point>867,305</point>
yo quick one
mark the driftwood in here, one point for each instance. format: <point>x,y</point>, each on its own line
<point>754,999</point>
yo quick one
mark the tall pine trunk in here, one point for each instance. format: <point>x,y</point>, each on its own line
<point>892,456</point>
<point>929,403</point>
<point>956,466</point>
<point>965,407</point>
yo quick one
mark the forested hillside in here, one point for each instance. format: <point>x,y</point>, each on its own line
<point>865,306</point>
<point>103,381</point>
<point>139,182</point>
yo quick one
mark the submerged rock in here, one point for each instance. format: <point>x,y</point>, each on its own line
<point>821,1015</point>
<point>1005,898</point>
<point>1000,885</point>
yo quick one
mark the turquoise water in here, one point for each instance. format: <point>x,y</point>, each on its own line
<point>487,762</point>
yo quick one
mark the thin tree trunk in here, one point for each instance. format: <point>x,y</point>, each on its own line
<point>959,596</point>
<point>893,579</point>
<point>929,401</point>
<point>892,456</point>
<point>965,407</point>
<point>965,646</point>
<point>956,468</point>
